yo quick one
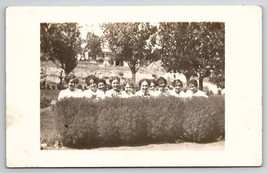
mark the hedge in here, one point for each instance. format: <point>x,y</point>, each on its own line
<point>83,123</point>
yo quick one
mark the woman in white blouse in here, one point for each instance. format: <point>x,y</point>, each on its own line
<point>128,89</point>
<point>115,91</point>
<point>144,88</point>
<point>177,84</point>
<point>71,91</point>
<point>93,92</point>
<point>193,90</point>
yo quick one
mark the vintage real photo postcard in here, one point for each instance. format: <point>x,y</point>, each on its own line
<point>134,86</point>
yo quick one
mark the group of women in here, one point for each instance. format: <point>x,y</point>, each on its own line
<point>97,88</point>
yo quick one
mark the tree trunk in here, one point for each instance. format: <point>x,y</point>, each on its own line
<point>187,78</point>
<point>134,76</point>
<point>61,77</point>
<point>66,75</point>
<point>200,83</point>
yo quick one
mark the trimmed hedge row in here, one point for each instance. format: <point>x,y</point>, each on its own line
<point>83,123</point>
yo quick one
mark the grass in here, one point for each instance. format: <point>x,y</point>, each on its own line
<point>49,135</point>
<point>52,94</point>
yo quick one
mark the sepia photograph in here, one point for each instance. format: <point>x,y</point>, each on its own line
<point>132,84</point>
<point>159,86</point>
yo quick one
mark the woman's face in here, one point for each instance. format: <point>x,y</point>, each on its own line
<point>193,88</point>
<point>101,86</point>
<point>93,85</point>
<point>162,84</point>
<point>152,86</point>
<point>128,88</point>
<point>115,85</point>
<point>72,84</point>
<point>178,87</point>
<point>144,87</point>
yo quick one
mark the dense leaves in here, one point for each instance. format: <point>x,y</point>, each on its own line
<point>194,49</point>
<point>61,43</point>
<point>93,44</point>
<point>84,123</point>
<point>131,42</point>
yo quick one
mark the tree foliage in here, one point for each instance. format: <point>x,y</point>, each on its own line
<point>61,43</point>
<point>194,49</point>
<point>131,42</point>
<point>93,44</point>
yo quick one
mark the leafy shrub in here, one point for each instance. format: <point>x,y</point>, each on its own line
<point>132,122</point>
<point>107,125</point>
<point>219,104</point>
<point>65,119</point>
<point>199,120</point>
<point>84,123</point>
<point>163,116</point>
<point>45,101</point>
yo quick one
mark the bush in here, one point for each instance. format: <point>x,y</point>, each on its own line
<point>199,120</point>
<point>219,103</point>
<point>163,116</point>
<point>83,123</point>
<point>45,101</point>
<point>132,123</point>
<point>67,120</point>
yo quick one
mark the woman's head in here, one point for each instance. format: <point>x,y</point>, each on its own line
<point>162,82</point>
<point>92,82</point>
<point>153,85</point>
<point>178,85</point>
<point>144,85</point>
<point>193,85</point>
<point>128,86</point>
<point>102,85</point>
<point>115,83</point>
<point>72,81</point>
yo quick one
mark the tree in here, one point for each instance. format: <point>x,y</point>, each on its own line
<point>131,42</point>
<point>93,44</point>
<point>194,49</point>
<point>61,43</point>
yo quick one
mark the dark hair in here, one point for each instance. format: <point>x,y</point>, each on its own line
<point>162,79</point>
<point>128,82</point>
<point>193,82</point>
<point>177,81</point>
<point>114,78</point>
<point>142,80</point>
<point>72,77</point>
<point>91,77</point>
<point>154,82</point>
<point>103,81</point>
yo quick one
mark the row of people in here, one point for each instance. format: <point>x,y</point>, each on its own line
<point>148,88</point>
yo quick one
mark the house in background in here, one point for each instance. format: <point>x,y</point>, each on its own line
<point>106,57</point>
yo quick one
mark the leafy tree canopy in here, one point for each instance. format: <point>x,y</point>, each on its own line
<point>93,44</point>
<point>131,42</point>
<point>61,43</point>
<point>194,49</point>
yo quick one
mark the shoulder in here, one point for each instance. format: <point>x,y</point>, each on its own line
<point>201,93</point>
<point>78,90</point>
<point>188,93</point>
<point>109,93</point>
<point>139,93</point>
<point>87,92</point>
<point>100,92</point>
<point>171,92</point>
<point>64,91</point>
